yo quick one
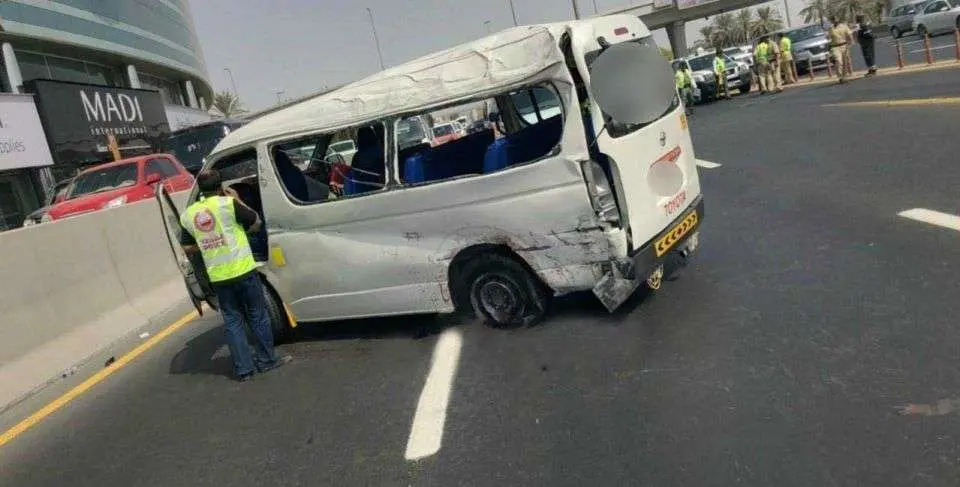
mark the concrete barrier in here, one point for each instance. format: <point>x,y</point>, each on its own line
<point>71,288</point>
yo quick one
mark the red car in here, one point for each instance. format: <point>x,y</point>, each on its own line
<point>121,182</point>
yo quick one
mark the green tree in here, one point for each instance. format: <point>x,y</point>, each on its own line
<point>744,19</point>
<point>768,20</point>
<point>707,32</point>
<point>725,30</point>
<point>227,104</point>
<point>816,10</point>
<point>667,53</point>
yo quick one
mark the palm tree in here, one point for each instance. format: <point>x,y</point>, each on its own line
<point>227,103</point>
<point>725,26</point>
<point>707,32</point>
<point>768,20</point>
<point>815,10</point>
<point>743,20</point>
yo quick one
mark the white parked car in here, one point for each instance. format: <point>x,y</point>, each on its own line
<point>937,17</point>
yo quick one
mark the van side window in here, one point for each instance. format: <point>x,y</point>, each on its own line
<point>510,129</point>
<point>324,167</point>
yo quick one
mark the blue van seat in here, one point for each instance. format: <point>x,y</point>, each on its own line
<point>458,158</point>
<point>366,173</point>
<point>292,177</point>
<point>528,144</point>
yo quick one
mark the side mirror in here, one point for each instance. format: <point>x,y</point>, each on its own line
<point>153,178</point>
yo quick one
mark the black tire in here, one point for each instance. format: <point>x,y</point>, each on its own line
<point>744,89</point>
<point>895,32</point>
<point>279,324</point>
<point>503,293</point>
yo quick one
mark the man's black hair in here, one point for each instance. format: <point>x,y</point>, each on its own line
<point>209,182</point>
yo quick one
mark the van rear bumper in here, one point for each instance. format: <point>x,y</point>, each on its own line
<point>625,275</point>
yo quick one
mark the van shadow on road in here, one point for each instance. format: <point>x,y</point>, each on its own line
<point>206,354</point>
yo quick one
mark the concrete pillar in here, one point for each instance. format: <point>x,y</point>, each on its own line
<point>677,33</point>
<point>191,94</point>
<point>132,77</point>
<point>14,78</point>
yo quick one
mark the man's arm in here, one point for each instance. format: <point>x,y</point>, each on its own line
<point>248,218</point>
<point>187,242</point>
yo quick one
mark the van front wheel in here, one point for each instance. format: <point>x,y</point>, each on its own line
<point>503,293</point>
<point>279,324</point>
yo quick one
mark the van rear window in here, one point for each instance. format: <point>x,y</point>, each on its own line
<point>633,85</point>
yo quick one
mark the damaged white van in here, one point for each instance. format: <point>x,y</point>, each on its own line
<point>578,174</point>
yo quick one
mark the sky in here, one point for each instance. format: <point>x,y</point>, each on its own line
<point>301,46</point>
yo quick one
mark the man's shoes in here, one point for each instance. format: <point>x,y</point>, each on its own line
<point>281,361</point>
<point>245,377</point>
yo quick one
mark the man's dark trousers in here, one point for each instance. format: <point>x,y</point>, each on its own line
<point>244,297</point>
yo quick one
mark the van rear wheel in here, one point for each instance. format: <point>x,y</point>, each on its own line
<point>279,324</point>
<point>503,293</point>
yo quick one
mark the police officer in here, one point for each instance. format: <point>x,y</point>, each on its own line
<point>764,54</point>
<point>787,68</point>
<point>840,38</point>
<point>684,81</point>
<point>216,226</point>
<point>720,70</point>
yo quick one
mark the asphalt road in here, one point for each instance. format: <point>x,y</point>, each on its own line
<point>780,356</point>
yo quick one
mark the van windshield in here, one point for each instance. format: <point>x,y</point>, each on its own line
<point>105,179</point>
<point>633,85</point>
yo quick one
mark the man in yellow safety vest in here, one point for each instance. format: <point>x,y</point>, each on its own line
<point>216,226</point>
<point>787,69</point>
<point>720,70</point>
<point>684,82</point>
<point>764,54</point>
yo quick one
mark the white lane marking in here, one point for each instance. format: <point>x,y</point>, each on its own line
<point>937,48</point>
<point>707,164</point>
<point>932,217</point>
<point>426,432</point>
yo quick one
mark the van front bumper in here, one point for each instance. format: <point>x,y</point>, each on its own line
<point>624,276</point>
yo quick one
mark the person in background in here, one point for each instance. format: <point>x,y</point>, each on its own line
<point>764,58</point>
<point>684,83</point>
<point>216,226</point>
<point>840,38</point>
<point>788,70</point>
<point>720,70</point>
<point>866,38</point>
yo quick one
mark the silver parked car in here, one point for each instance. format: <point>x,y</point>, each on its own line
<point>937,17</point>
<point>900,19</point>
<point>810,46</point>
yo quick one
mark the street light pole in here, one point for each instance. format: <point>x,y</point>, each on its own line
<point>278,93</point>
<point>376,38</point>
<point>597,11</point>
<point>513,10</point>
<point>786,6</point>
<point>576,10</point>
<point>486,25</point>
<point>233,82</point>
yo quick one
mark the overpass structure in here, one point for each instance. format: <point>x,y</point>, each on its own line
<point>673,15</point>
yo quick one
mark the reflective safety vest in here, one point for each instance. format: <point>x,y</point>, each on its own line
<point>719,66</point>
<point>785,45</point>
<point>763,52</point>
<point>682,78</point>
<point>212,222</point>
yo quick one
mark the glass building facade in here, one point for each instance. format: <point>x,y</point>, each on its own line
<point>146,44</point>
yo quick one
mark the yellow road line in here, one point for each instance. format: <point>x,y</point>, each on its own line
<point>84,386</point>
<point>952,100</point>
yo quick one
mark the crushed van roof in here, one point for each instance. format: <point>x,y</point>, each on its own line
<point>508,57</point>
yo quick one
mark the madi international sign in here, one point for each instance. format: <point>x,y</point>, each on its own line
<point>22,143</point>
<point>79,118</point>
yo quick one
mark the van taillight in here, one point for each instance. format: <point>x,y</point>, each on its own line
<point>621,31</point>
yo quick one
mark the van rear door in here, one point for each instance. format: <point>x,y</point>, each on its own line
<point>637,115</point>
